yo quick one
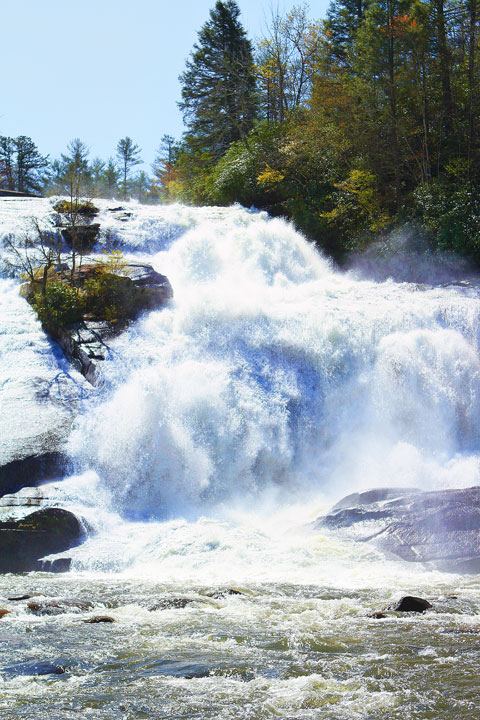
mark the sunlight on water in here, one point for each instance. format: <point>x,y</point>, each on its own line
<point>227,422</point>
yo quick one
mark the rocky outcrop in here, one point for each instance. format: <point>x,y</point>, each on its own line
<point>87,342</point>
<point>31,471</point>
<point>81,237</point>
<point>24,542</point>
<point>438,528</point>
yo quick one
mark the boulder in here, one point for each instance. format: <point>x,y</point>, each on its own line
<point>168,603</point>
<point>410,603</point>
<point>57,607</point>
<point>440,528</point>
<point>99,619</point>
<point>24,542</point>
<point>81,238</point>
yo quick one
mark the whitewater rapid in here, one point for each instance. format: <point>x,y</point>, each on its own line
<point>271,372</point>
<point>271,385</point>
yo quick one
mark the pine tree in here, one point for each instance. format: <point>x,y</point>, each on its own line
<point>128,155</point>
<point>343,20</point>
<point>219,101</point>
<point>29,165</point>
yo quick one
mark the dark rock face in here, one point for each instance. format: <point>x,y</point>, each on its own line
<point>409,603</point>
<point>31,471</point>
<point>439,527</point>
<point>24,542</point>
<point>82,238</point>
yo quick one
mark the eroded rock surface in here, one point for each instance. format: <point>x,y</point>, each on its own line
<point>440,528</point>
<point>24,542</point>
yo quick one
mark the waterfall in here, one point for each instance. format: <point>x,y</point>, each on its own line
<point>271,370</point>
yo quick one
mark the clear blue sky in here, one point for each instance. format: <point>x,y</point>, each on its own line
<point>103,69</point>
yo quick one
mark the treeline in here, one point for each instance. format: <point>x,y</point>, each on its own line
<point>25,169</point>
<point>349,126</point>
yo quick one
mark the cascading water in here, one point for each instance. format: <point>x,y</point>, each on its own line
<point>270,369</point>
<point>270,385</point>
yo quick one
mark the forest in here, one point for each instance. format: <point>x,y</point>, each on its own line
<point>353,127</point>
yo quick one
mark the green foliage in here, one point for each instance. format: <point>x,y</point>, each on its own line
<point>219,102</point>
<point>76,207</point>
<point>108,296</point>
<point>453,216</point>
<point>59,306</point>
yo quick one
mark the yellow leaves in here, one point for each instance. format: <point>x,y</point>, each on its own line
<point>269,176</point>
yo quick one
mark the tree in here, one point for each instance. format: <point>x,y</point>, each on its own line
<point>286,61</point>
<point>29,164</point>
<point>219,102</point>
<point>164,166</point>
<point>111,176</point>
<point>128,155</point>
<point>7,163</point>
<point>22,167</point>
<point>71,174</point>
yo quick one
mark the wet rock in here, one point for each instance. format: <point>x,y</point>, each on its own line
<point>377,615</point>
<point>59,565</point>
<point>24,542</point>
<point>168,603</point>
<point>224,593</point>
<point>37,668</point>
<point>410,603</point>
<point>99,619</point>
<point>81,237</point>
<point>4,612</point>
<point>20,597</point>
<point>31,470</point>
<point>58,607</point>
<point>441,528</point>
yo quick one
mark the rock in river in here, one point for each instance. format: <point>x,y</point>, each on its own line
<point>440,528</point>
<point>24,542</point>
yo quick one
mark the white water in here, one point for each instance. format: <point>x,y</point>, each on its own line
<point>269,387</point>
<point>271,377</point>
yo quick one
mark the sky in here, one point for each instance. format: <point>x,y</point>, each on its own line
<point>103,69</point>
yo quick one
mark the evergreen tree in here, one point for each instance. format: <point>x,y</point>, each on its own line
<point>219,102</point>
<point>7,163</point>
<point>22,167</point>
<point>343,20</point>
<point>128,155</point>
<point>71,173</point>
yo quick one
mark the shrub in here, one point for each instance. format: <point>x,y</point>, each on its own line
<point>76,207</point>
<point>108,296</point>
<point>59,306</point>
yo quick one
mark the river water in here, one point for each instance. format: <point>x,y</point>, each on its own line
<point>226,423</point>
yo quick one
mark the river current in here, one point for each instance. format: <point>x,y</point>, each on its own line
<point>225,424</point>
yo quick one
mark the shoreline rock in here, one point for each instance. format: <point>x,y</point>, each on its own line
<point>439,528</point>
<point>23,543</point>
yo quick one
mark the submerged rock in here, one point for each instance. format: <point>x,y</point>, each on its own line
<point>441,528</point>
<point>57,607</point>
<point>99,619</point>
<point>57,667</point>
<point>24,542</point>
<point>168,603</point>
